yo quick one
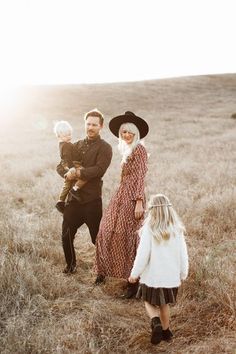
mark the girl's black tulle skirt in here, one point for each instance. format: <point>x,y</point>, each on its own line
<point>157,296</point>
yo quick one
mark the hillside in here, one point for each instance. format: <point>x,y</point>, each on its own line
<point>192,149</point>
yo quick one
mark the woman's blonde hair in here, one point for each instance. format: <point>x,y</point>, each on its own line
<point>163,219</point>
<point>124,148</point>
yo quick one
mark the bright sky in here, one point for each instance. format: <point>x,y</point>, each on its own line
<point>83,41</point>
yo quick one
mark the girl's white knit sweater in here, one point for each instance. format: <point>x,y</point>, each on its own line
<point>160,265</point>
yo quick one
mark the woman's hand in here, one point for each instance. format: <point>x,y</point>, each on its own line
<point>138,212</point>
<point>132,280</point>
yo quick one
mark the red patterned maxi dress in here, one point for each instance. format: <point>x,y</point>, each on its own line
<point>118,239</point>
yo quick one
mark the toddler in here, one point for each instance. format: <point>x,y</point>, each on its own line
<point>63,131</point>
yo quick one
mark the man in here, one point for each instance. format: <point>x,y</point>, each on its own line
<point>84,206</point>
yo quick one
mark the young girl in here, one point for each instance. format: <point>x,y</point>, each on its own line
<point>161,263</point>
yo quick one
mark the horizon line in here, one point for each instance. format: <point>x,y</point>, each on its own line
<point>25,85</point>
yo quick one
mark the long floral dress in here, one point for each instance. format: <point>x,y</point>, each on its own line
<point>118,239</point>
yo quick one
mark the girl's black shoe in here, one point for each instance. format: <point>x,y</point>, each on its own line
<point>156,335</point>
<point>167,334</point>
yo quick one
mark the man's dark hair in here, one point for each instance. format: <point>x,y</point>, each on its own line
<point>95,113</point>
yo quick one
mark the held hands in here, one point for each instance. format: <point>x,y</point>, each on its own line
<point>132,280</point>
<point>138,212</point>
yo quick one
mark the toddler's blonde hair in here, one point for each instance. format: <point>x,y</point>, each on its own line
<point>62,129</point>
<point>163,219</point>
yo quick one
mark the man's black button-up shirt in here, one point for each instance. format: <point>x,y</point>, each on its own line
<point>95,157</point>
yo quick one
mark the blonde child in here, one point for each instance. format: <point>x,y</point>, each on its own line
<point>63,131</point>
<point>161,263</point>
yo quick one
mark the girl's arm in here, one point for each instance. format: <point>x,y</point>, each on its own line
<point>143,253</point>
<point>183,258</point>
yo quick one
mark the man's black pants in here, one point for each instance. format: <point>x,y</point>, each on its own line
<point>75,215</point>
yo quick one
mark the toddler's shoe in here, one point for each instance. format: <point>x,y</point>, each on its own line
<point>60,206</point>
<point>156,335</point>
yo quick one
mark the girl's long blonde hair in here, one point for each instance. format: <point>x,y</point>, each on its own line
<point>162,218</point>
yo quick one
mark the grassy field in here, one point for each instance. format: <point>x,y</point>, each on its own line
<point>192,149</point>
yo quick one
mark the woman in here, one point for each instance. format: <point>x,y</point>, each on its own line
<point>118,239</point>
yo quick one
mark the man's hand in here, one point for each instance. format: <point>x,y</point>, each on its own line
<point>138,212</point>
<point>80,183</point>
<point>71,174</point>
<point>132,280</point>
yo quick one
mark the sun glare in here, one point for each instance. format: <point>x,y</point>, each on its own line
<point>9,104</point>
<point>61,42</point>
<point>6,96</point>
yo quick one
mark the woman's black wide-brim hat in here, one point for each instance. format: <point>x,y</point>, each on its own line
<point>128,117</point>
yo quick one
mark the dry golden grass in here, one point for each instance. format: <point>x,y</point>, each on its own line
<point>192,150</point>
